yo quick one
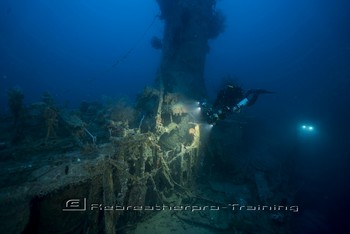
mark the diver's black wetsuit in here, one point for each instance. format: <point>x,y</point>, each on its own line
<point>229,100</point>
<point>228,96</point>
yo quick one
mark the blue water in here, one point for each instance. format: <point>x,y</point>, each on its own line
<point>70,48</point>
<point>86,50</point>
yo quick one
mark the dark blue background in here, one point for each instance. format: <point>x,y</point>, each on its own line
<point>298,48</point>
<point>69,48</point>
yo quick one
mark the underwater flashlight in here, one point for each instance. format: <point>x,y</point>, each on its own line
<point>208,127</point>
<point>307,128</point>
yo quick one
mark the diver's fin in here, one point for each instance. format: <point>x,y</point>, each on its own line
<point>264,91</point>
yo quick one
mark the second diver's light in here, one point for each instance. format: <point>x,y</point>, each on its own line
<point>307,128</point>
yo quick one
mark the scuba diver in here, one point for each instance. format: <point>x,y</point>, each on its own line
<point>229,100</point>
